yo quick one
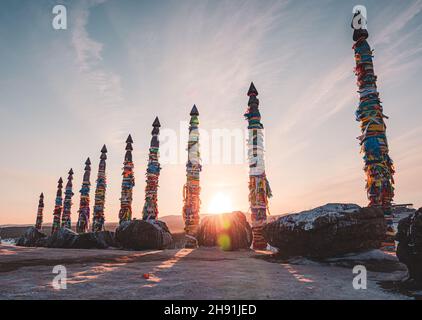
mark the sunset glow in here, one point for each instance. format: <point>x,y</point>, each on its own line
<point>119,64</point>
<point>220,203</point>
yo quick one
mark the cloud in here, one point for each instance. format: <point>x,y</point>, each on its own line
<point>208,51</point>
<point>88,51</point>
<point>99,91</point>
<point>401,19</point>
<point>332,86</point>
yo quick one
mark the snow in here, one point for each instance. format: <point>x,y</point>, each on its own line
<point>9,241</point>
<point>367,255</point>
<point>306,219</point>
<point>204,273</point>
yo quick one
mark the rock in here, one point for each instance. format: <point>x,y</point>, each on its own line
<point>327,231</point>
<point>62,238</point>
<point>66,238</point>
<point>95,240</point>
<point>230,231</point>
<point>144,234</point>
<point>409,249</point>
<point>31,238</point>
<point>374,260</point>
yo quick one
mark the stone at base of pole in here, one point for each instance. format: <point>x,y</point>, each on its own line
<point>190,237</point>
<point>258,242</point>
<point>191,242</point>
<point>389,243</point>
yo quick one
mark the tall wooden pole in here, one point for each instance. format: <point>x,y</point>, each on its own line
<point>40,211</point>
<point>82,225</point>
<point>57,207</point>
<point>259,188</point>
<point>379,167</point>
<point>100,190</point>
<point>191,189</point>
<point>150,210</point>
<point>67,203</point>
<point>125,213</point>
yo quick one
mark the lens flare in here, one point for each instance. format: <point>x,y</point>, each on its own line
<point>224,242</point>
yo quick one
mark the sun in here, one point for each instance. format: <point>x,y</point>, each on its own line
<point>220,203</point>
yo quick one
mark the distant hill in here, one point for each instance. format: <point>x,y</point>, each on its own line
<point>174,222</point>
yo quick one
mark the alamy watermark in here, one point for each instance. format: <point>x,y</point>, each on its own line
<point>360,21</point>
<point>59,17</point>
<point>216,146</point>
<point>360,280</point>
<point>60,280</point>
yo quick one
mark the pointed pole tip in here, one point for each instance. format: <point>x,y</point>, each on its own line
<point>129,139</point>
<point>156,122</point>
<point>194,111</point>
<point>252,90</point>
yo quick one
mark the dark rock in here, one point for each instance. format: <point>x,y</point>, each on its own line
<point>374,260</point>
<point>95,240</point>
<point>42,242</point>
<point>144,234</point>
<point>230,231</point>
<point>409,249</point>
<point>62,238</point>
<point>327,231</point>
<point>31,238</point>
<point>66,238</point>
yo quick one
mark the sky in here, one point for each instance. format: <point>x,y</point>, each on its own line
<point>65,93</point>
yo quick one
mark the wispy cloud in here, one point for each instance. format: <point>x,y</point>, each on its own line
<point>208,54</point>
<point>99,92</point>
<point>400,20</point>
<point>120,63</point>
<point>331,87</point>
<point>88,51</point>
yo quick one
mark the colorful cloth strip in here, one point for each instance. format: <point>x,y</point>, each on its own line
<point>82,225</point>
<point>125,213</point>
<point>100,190</point>
<point>38,223</point>
<point>57,207</point>
<point>192,189</point>
<point>150,209</point>
<point>379,167</point>
<point>259,188</point>
<point>67,204</point>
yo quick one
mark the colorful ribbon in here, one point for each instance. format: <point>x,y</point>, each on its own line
<point>379,167</point>
<point>38,223</point>
<point>67,204</point>
<point>58,207</point>
<point>100,190</point>
<point>191,189</point>
<point>259,188</point>
<point>83,221</point>
<point>125,213</point>
<point>150,209</point>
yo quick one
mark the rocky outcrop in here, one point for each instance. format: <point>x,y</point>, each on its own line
<point>62,238</point>
<point>143,234</point>
<point>229,231</point>
<point>95,240</point>
<point>67,239</point>
<point>326,231</point>
<point>31,238</point>
<point>409,249</point>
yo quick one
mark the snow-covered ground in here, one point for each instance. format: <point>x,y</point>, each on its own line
<point>8,241</point>
<point>306,219</point>
<point>205,273</point>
